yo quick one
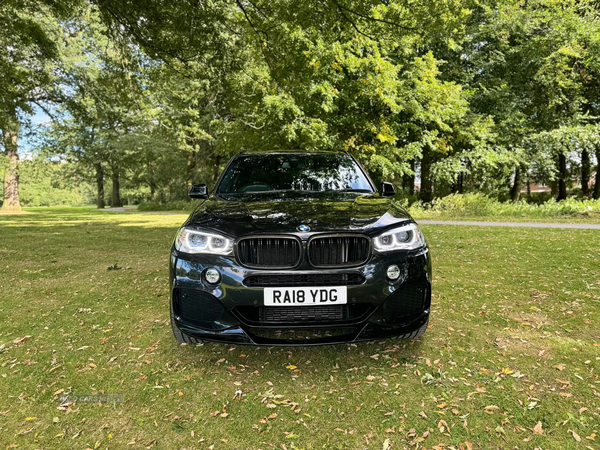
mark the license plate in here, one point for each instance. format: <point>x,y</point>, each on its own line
<point>308,296</point>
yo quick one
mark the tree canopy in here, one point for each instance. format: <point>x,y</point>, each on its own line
<point>482,95</point>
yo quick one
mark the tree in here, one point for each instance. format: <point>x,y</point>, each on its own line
<point>570,147</point>
<point>530,65</point>
<point>335,74</point>
<point>29,30</point>
<point>105,101</point>
<point>466,94</point>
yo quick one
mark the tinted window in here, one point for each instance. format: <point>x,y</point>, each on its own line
<point>297,172</point>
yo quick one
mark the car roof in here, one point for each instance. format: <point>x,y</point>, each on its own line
<point>291,152</point>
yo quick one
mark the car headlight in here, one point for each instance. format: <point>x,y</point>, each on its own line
<point>407,237</point>
<point>192,241</point>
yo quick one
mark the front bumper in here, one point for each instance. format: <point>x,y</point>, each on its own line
<point>220,313</point>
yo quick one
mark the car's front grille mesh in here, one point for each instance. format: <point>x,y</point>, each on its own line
<point>301,314</point>
<point>304,280</point>
<point>293,315</point>
<point>339,251</point>
<point>269,252</point>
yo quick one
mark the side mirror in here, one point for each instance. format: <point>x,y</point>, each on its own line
<point>198,191</point>
<point>387,189</point>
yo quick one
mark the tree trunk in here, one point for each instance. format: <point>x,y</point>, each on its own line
<point>151,182</point>
<point>597,184</point>
<point>585,172</point>
<point>426,194</point>
<point>405,182</point>
<point>116,190</point>
<point>515,192</point>
<point>191,166</point>
<point>217,170</point>
<point>411,178</point>
<point>11,174</point>
<point>562,177</point>
<point>455,185</point>
<point>100,184</point>
<point>408,180</point>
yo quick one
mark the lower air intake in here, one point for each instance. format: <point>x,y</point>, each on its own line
<point>406,302</point>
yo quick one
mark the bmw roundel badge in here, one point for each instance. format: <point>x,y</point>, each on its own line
<point>303,228</point>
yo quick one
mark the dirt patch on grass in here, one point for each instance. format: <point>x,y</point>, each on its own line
<point>520,345</point>
<point>530,319</point>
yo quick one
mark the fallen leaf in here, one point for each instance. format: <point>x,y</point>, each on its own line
<point>575,436</point>
<point>491,408</point>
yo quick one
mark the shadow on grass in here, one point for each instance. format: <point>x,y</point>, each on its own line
<point>344,357</point>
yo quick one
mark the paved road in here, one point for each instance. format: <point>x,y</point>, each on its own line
<point>580,226</point>
<point>129,209</point>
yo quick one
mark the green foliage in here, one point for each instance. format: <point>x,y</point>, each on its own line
<point>479,205</point>
<point>568,140</point>
<point>465,94</point>
<point>345,76</point>
<point>29,31</point>
<point>48,183</point>
<point>390,83</point>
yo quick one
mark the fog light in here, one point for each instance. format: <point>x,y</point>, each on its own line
<point>393,272</point>
<point>212,276</point>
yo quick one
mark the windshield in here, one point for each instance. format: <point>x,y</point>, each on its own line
<point>293,172</point>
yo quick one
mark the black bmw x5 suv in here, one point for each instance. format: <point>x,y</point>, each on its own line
<point>296,248</point>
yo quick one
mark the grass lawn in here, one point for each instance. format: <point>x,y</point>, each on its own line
<point>511,360</point>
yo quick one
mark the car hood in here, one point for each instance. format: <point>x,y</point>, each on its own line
<point>283,212</point>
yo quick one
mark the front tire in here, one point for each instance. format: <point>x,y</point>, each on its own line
<point>179,335</point>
